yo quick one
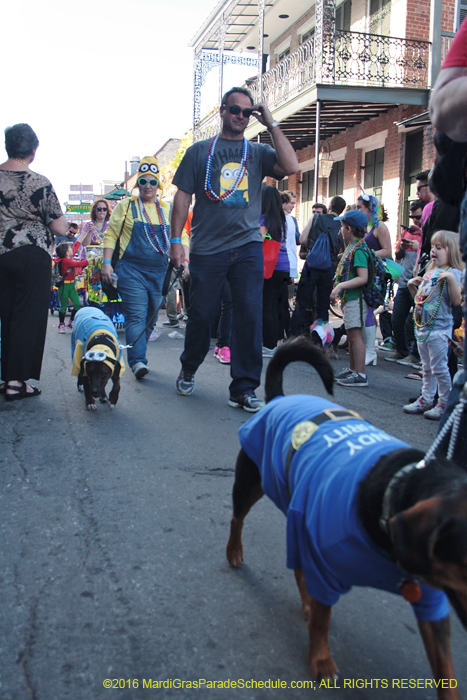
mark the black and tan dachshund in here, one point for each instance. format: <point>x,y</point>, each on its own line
<point>362,508</point>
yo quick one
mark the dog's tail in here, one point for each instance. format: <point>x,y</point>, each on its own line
<point>296,350</point>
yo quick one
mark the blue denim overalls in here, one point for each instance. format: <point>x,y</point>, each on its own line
<point>141,272</point>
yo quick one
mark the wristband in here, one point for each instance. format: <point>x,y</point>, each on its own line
<point>175,240</point>
<point>271,126</point>
<point>187,260</point>
<point>106,262</point>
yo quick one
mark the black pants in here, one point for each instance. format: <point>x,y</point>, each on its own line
<point>274,322</point>
<point>25,277</point>
<point>311,279</point>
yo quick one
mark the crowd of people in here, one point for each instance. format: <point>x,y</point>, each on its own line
<point>236,249</point>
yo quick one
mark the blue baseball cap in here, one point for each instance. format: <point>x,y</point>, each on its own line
<point>354,218</point>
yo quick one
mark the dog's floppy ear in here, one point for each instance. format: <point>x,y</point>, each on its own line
<point>413,535</point>
<point>81,367</point>
<point>116,372</point>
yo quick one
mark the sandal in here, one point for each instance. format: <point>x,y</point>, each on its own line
<point>21,392</point>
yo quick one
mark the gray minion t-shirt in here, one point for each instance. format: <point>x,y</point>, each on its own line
<point>219,226</point>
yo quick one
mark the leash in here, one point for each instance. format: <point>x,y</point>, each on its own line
<point>178,275</point>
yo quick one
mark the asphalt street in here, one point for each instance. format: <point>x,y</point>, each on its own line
<point>113,534</point>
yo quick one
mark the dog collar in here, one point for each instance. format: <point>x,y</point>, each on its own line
<point>386,507</point>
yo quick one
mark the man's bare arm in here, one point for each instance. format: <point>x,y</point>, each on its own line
<point>180,209</point>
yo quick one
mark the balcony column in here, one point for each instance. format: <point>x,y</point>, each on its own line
<point>197,84</point>
<point>259,95</point>
<point>325,31</point>
<point>222,30</point>
<point>318,137</point>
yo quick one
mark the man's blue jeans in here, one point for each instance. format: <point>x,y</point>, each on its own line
<point>243,268</point>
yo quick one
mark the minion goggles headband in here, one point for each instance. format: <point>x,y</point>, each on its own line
<point>98,356</point>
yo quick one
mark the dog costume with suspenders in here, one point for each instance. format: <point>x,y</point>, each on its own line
<point>90,325</point>
<point>312,455</point>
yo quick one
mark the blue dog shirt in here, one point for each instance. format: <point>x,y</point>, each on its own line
<point>324,535</point>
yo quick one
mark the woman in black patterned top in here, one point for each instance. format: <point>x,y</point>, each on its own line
<point>30,216</point>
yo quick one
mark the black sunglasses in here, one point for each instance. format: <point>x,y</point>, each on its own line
<point>235,109</point>
<point>101,208</point>
<point>414,216</point>
<point>142,181</point>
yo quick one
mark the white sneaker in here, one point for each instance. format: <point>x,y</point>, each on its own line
<point>435,413</point>
<point>140,370</point>
<point>268,352</point>
<point>418,406</point>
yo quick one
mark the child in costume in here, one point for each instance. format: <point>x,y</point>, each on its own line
<point>434,294</point>
<point>67,290</point>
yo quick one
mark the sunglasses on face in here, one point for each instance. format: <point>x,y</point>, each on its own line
<point>235,109</point>
<point>142,181</point>
<point>420,187</point>
<point>101,208</point>
<point>415,216</point>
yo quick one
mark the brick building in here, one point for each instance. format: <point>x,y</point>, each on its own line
<point>351,77</point>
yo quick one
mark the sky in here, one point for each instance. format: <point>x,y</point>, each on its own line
<point>99,82</point>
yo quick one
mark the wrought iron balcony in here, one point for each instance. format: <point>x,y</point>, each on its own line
<point>353,59</point>
<point>350,59</point>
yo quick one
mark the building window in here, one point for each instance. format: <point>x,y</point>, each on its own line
<point>308,35</point>
<point>336,179</point>
<point>306,200</point>
<point>283,184</point>
<point>374,169</point>
<point>343,15</point>
<point>380,17</point>
<point>462,13</point>
<point>284,54</point>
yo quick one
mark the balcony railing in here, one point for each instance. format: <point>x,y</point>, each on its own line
<point>352,59</point>
<point>357,59</point>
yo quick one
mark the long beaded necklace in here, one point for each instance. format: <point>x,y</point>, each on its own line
<point>417,314</point>
<point>150,231</point>
<point>240,175</point>
<point>343,269</point>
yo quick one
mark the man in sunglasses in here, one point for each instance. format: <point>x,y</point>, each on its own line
<point>225,175</point>
<point>71,235</point>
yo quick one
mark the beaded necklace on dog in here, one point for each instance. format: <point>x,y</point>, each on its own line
<point>343,269</point>
<point>149,229</point>
<point>210,194</point>
<point>417,314</point>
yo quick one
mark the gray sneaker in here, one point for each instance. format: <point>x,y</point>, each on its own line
<point>353,379</point>
<point>343,373</point>
<point>185,383</point>
<point>140,370</point>
<point>249,402</point>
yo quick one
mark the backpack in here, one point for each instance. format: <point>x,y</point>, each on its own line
<point>374,291</point>
<point>319,256</point>
<point>57,278</point>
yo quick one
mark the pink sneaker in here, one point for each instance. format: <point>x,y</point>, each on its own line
<point>224,355</point>
<point>70,325</point>
<point>217,351</point>
<point>61,328</point>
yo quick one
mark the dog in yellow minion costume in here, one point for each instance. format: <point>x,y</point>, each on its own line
<point>96,356</point>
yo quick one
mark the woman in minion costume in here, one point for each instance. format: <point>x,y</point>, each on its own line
<point>141,224</point>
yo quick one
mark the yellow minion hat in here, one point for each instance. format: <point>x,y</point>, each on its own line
<point>148,167</point>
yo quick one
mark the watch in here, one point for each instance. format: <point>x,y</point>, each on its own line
<point>271,126</point>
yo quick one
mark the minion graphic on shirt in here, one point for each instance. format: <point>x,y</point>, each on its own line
<point>228,174</point>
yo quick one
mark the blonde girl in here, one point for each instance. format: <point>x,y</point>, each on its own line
<point>434,295</point>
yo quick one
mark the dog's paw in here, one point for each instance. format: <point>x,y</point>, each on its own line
<point>111,406</point>
<point>91,407</point>
<point>234,555</point>
<point>81,388</point>
<point>322,667</point>
<point>102,399</point>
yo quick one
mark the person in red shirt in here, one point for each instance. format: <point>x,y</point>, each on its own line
<point>67,290</point>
